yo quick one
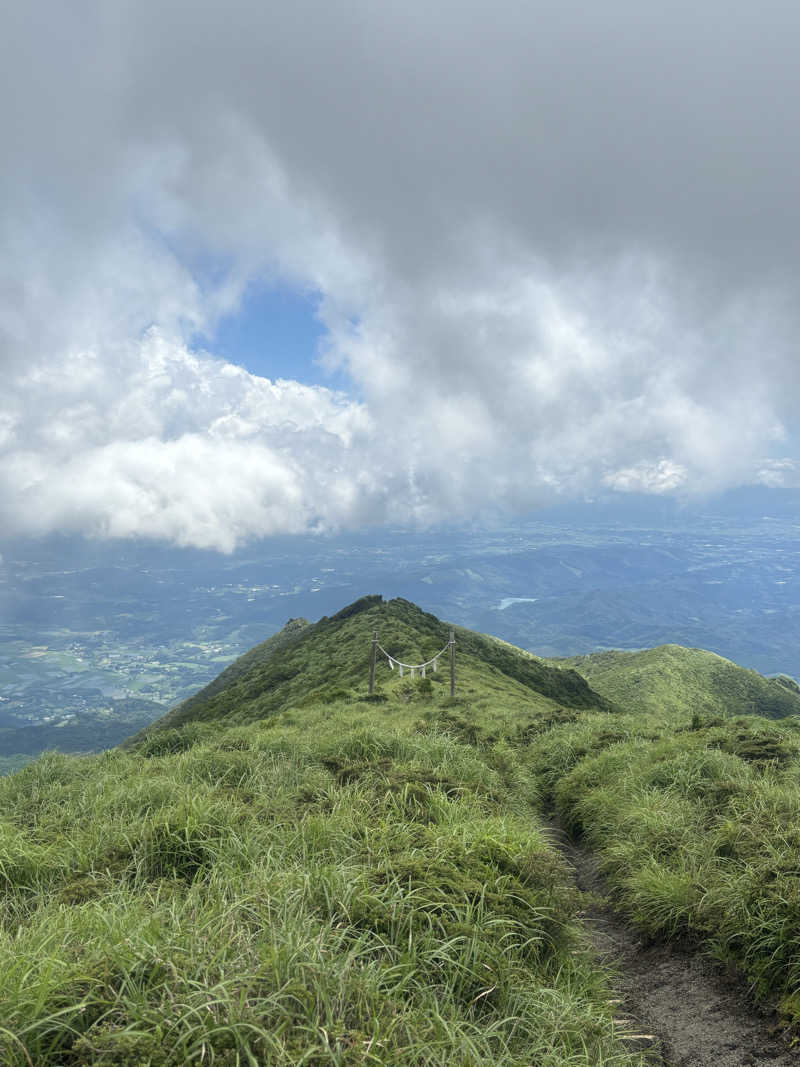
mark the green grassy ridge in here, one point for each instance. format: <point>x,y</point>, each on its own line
<point>697,826</point>
<point>306,663</point>
<point>251,660</point>
<point>689,804</point>
<point>673,680</point>
<point>282,871</point>
<point>344,883</point>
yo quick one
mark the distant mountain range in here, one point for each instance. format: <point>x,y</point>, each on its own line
<point>84,622</point>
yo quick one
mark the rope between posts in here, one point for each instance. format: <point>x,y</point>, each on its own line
<point>412,666</point>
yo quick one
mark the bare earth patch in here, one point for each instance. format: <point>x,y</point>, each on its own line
<point>679,1007</point>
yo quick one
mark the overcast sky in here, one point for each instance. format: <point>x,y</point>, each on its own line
<point>550,248</point>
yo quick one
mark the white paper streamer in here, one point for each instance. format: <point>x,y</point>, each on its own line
<point>413,667</point>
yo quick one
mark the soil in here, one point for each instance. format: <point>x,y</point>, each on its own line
<point>678,1007</point>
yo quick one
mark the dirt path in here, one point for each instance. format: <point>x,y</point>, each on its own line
<point>682,1008</point>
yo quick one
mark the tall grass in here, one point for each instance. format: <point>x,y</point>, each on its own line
<point>698,830</point>
<point>350,889</point>
<point>288,873</point>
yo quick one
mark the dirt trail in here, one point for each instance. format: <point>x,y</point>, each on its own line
<point>685,1011</point>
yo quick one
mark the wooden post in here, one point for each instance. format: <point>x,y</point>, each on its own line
<point>372,662</point>
<point>452,663</point>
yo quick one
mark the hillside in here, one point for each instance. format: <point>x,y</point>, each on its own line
<point>684,681</point>
<point>284,870</point>
<point>316,663</point>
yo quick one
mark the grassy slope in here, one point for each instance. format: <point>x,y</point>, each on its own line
<point>697,830</point>
<point>675,680</point>
<point>315,663</point>
<point>693,807</point>
<point>297,875</point>
<point>341,882</point>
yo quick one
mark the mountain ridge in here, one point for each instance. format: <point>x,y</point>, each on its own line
<point>331,658</point>
<point>679,680</point>
<point>285,870</point>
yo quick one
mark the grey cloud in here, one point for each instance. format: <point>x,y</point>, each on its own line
<point>556,245</point>
<point>573,127</point>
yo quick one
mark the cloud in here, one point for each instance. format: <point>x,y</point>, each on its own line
<point>662,477</point>
<point>177,446</point>
<point>779,474</point>
<point>556,249</point>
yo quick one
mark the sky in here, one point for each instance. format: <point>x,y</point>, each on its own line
<point>274,332</point>
<point>270,269</point>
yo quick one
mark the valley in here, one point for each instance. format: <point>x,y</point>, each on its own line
<point>84,624</point>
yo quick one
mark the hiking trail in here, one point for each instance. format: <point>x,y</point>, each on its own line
<point>678,1007</point>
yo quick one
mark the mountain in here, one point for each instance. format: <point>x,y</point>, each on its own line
<point>675,680</point>
<point>317,663</point>
<point>285,869</point>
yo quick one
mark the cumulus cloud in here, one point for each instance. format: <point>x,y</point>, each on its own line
<point>555,249</point>
<point>177,446</point>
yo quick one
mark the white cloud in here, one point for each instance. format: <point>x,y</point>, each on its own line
<point>168,444</point>
<point>551,256</point>
<point>661,477</point>
<point>779,474</point>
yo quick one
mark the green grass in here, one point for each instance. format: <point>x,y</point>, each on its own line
<point>698,829</point>
<point>693,808</point>
<point>285,871</point>
<point>307,663</point>
<point>671,680</point>
<point>344,883</point>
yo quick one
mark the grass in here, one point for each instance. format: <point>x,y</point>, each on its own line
<point>284,871</point>
<point>307,664</point>
<point>671,680</point>
<point>343,884</point>
<point>698,829</point>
